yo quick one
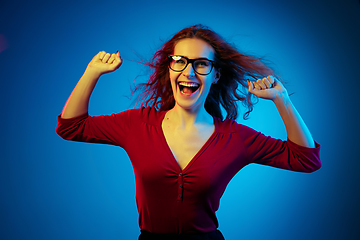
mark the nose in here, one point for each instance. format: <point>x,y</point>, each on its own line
<point>189,71</point>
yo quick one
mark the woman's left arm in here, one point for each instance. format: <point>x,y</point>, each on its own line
<point>272,89</point>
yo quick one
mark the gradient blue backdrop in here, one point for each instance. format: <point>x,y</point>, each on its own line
<point>55,189</point>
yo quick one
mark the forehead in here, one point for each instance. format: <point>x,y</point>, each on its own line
<point>194,48</point>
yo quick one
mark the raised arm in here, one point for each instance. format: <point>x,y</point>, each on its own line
<point>272,89</point>
<point>78,102</point>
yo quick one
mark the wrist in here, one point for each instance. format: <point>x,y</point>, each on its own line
<point>92,73</point>
<point>282,99</point>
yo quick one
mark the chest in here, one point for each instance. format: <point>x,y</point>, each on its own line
<point>185,144</point>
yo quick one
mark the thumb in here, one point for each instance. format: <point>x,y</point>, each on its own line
<point>118,60</point>
<point>251,86</point>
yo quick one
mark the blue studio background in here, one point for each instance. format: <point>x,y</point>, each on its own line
<point>54,189</point>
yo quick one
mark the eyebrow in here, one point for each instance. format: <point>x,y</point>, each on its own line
<point>199,58</point>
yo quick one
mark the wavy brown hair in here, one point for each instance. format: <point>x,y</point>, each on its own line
<point>235,69</point>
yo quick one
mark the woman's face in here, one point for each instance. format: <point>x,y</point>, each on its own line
<point>191,89</point>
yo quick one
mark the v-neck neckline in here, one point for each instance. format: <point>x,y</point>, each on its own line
<point>198,153</point>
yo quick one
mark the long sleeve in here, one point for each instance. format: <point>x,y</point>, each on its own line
<point>108,129</point>
<point>281,154</point>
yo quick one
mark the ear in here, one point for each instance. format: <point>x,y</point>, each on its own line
<point>217,76</point>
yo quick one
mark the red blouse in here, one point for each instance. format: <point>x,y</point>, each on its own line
<point>170,200</point>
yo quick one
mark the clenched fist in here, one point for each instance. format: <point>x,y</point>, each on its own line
<point>267,88</point>
<point>104,62</point>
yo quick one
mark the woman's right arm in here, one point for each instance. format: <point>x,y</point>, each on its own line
<point>78,102</point>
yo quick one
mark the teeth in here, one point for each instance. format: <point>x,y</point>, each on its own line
<point>189,84</point>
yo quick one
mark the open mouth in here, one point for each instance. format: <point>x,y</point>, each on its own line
<point>188,88</point>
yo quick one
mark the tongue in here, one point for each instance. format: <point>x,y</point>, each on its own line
<point>187,90</point>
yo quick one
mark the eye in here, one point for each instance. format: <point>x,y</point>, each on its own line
<point>178,60</point>
<point>181,61</point>
<point>202,63</point>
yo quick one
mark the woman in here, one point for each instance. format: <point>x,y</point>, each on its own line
<point>183,153</point>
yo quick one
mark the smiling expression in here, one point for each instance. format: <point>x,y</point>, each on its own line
<point>189,88</point>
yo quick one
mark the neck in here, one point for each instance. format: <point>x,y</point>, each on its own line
<point>185,118</point>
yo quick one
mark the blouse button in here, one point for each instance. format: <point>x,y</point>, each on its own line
<point>180,186</point>
<point>180,174</point>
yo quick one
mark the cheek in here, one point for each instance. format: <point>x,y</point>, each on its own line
<point>173,77</point>
<point>209,81</point>
<point>172,82</point>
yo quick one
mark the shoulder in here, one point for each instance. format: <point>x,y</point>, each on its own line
<point>148,115</point>
<point>231,126</point>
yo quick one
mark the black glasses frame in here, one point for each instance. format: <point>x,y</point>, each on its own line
<point>188,60</point>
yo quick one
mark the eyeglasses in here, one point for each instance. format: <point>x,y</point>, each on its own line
<point>202,66</point>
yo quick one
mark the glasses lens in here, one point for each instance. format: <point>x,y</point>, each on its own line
<point>177,63</point>
<point>202,66</point>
